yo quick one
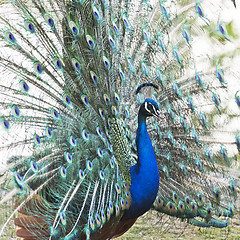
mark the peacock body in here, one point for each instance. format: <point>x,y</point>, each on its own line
<point>108,109</point>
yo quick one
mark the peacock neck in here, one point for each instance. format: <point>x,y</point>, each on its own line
<point>144,174</point>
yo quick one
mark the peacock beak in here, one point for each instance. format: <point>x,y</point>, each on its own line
<point>157,115</point>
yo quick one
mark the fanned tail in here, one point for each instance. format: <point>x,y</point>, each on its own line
<point>69,108</point>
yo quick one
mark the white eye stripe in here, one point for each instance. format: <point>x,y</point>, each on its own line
<point>155,111</point>
<point>146,107</point>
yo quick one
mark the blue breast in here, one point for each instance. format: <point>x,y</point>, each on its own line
<point>144,175</point>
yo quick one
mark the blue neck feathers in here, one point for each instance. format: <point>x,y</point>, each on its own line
<point>144,175</point>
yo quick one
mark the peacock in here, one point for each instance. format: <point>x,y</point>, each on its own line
<point>112,108</point>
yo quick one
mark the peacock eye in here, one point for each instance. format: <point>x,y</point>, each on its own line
<point>150,107</point>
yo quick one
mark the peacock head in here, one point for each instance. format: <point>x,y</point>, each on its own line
<point>150,108</point>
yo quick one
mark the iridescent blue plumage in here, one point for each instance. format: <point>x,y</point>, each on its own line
<point>144,174</point>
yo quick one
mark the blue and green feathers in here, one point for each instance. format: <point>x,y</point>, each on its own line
<point>108,109</point>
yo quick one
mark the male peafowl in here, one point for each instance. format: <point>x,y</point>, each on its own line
<point>110,108</point>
